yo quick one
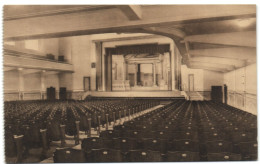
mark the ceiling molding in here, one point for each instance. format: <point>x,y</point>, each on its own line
<point>209,68</point>
<point>199,64</point>
<point>6,69</point>
<point>216,60</point>
<point>59,12</point>
<point>31,71</point>
<point>240,53</point>
<point>246,38</point>
<point>150,36</point>
<point>172,31</point>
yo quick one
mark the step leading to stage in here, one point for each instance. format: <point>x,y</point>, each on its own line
<point>155,94</point>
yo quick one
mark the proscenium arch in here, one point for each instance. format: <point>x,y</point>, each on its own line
<point>107,86</point>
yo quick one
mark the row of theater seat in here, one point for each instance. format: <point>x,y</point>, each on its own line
<point>37,123</point>
<point>180,131</point>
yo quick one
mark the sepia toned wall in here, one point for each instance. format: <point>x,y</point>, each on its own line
<point>242,88</point>
<point>32,82</point>
<point>203,80</point>
<point>49,46</point>
<point>212,78</point>
<point>11,81</point>
<point>198,78</point>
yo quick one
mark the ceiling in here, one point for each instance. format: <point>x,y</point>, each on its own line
<point>222,35</point>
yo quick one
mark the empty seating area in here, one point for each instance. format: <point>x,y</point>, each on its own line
<point>178,130</point>
<point>35,124</point>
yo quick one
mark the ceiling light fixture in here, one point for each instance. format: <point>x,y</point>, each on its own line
<point>245,22</point>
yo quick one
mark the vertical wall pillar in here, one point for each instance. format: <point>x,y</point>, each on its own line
<point>43,84</point>
<point>21,83</point>
<point>173,63</point>
<point>161,63</point>
<point>126,70</point>
<point>135,74</point>
<point>65,48</point>
<point>99,64</point>
<point>154,75</point>
<point>138,74</point>
<point>108,70</point>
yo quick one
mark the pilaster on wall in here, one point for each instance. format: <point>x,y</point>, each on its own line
<point>21,83</point>
<point>65,48</point>
<point>93,70</point>
<point>172,65</point>
<point>99,66</point>
<point>66,80</point>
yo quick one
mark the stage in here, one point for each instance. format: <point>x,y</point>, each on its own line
<point>139,94</point>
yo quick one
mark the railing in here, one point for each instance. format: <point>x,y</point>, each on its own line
<point>14,95</point>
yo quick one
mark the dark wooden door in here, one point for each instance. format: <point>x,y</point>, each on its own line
<point>216,93</point>
<point>86,83</point>
<point>63,93</point>
<point>51,93</point>
<point>225,94</point>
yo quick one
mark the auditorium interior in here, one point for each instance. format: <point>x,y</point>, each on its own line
<point>129,83</point>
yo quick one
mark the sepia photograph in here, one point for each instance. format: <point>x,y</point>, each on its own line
<point>129,83</point>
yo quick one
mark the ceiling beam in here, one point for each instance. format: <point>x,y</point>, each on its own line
<point>9,69</point>
<point>52,72</point>
<point>31,71</point>
<point>84,23</point>
<point>70,10</point>
<point>247,38</point>
<point>149,36</point>
<point>172,31</point>
<point>133,12</point>
<point>209,68</point>
<point>205,64</point>
<point>217,60</point>
<point>240,53</point>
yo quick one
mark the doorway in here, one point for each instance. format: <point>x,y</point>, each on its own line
<point>191,82</point>
<point>86,83</point>
<point>225,93</point>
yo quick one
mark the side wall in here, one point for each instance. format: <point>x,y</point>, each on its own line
<point>242,88</point>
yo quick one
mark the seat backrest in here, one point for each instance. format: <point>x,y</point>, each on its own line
<point>243,137</point>
<point>181,156</point>
<point>134,134</point>
<point>10,148</point>
<point>190,135</point>
<point>106,155</point>
<point>223,157</point>
<point>91,143</point>
<point>143,156</point>
<point>219,146</point>
<point>184,145</point>
<point>125,144</point>
<point>214,136</point>
<point>155,145</point>
<point>69,155</point>
<point>109,134</point>
<point>248,147</point>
